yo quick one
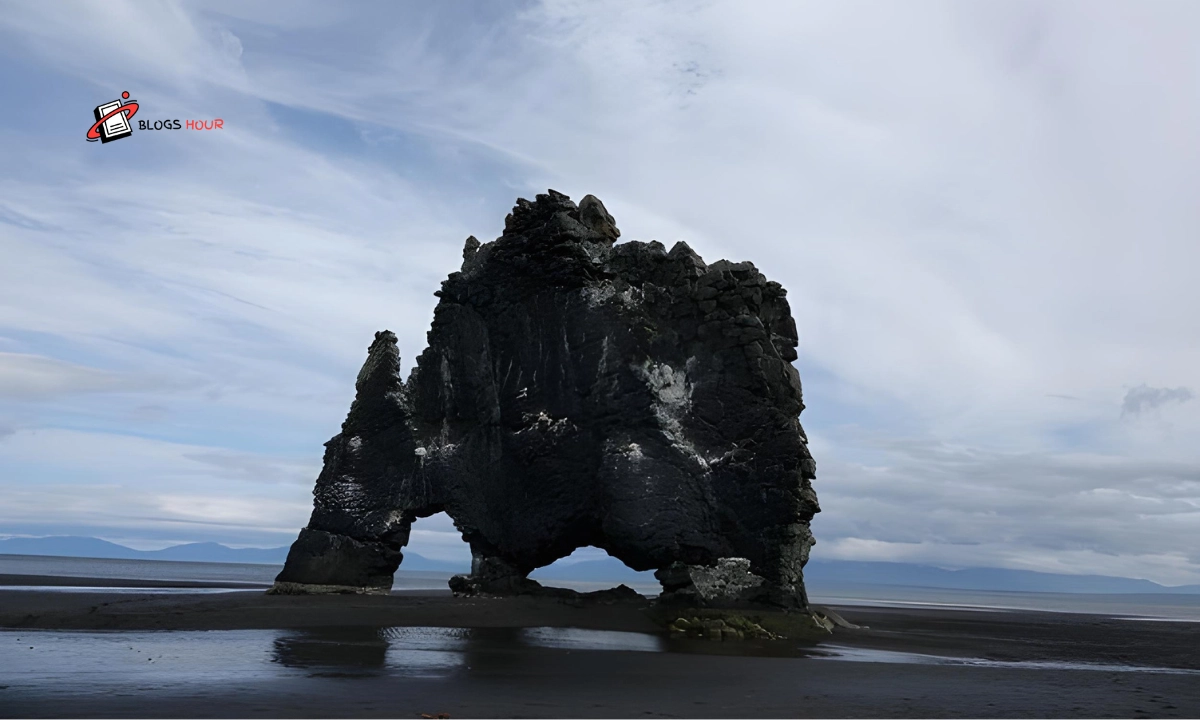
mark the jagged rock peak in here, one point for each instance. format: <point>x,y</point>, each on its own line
<point>593,214</point>
<point>470,247</point>
<point>554,215</point>
<point>382,368</point>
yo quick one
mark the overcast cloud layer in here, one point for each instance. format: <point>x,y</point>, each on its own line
<point>985,214</point>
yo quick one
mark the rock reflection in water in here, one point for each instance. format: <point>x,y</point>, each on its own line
<point>340,648</point>
<point>436,651</point>
<point>577,639</point>
<point>351,650</point>
<point>425,650</point>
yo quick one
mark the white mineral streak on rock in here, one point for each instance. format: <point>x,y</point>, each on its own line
<point>347,490</point>
<point>595,296</point>
<point>631,297</point>
<point>727,579</point>
<point>447,394</point>
<point>354,443</point>
<point>672,400</point>
<point>544,423</point>
<point>603,376</point>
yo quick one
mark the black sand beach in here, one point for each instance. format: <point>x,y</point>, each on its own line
<point>246,654</point>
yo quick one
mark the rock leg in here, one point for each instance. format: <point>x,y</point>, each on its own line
<point>320,562</point>
<point>729,583</point>
<point>493,576</point>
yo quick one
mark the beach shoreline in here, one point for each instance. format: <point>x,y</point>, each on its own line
<point>904,662</point>
<point>997,635</point>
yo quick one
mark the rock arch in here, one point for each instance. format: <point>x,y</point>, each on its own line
<point>579,392</point>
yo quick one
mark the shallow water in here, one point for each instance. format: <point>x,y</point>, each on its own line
<point>174,571</point>
<point>251,574</point>
<point>85,663</point>
<point>1159,606</point>
<point>124,590</point>
<point>851,654</point>
<point>159,570</point>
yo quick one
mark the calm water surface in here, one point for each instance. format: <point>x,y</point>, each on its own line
<point>1133,606</point>
<point>1161,607</point>
<point>165,570</point>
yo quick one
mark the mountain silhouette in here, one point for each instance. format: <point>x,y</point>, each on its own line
<point>820,575</point>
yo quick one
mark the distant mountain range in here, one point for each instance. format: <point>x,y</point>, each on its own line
<point>89,547</point>
<point>820,575</point>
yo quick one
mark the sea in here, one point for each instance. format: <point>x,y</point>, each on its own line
<point>1161,607</point>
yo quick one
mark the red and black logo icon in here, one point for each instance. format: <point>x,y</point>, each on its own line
<point>112,120</point>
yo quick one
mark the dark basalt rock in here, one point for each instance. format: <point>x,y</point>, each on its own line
<point>579,392</point>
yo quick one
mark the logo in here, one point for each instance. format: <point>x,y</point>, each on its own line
<point>112,120</point>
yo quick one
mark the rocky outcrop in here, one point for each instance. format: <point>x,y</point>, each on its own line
<point>579,392</point>
<point>728,583</point>
<point>369,492</point>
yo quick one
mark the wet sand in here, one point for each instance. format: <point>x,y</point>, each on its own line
<point>241,610</point>
<point>327,656</point>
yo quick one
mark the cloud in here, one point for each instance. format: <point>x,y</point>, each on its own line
<point>33,375</point>
<point>121,485</point>
<point>1080,512</point>
<point>1143,398</point>
<point>950,192</point>
<point>961,132</point>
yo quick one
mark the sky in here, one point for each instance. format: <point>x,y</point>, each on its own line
<point>985,215</point>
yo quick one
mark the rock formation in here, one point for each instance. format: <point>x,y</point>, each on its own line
<point>579,392</point>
